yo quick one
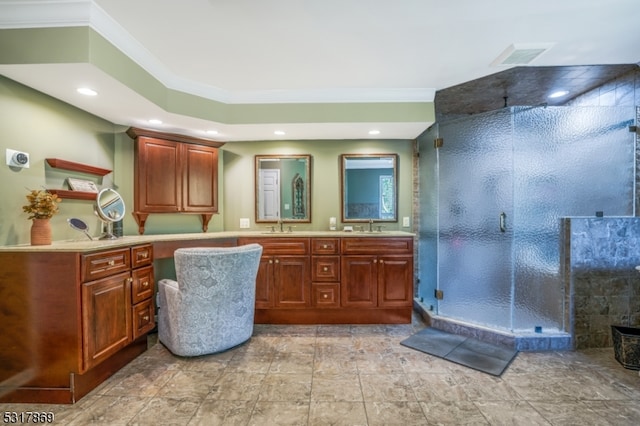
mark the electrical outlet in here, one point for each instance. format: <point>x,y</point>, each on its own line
<point>244,222</point>
<point>17,159</point>
<point>405,222</point>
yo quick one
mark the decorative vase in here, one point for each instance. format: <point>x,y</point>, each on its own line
<point>40,232</point>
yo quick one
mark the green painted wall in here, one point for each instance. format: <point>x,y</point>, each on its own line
<point>47,128</point>
<point>239,176</point>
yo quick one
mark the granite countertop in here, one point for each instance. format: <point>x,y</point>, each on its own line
<point>86,245</point>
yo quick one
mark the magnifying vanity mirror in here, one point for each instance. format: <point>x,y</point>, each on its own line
<point>109,208</point>
<point>369,187</point>
<point>283,188</point>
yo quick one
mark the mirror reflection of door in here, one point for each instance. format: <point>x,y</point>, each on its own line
<point>269,194</point>
<point>283,188</point>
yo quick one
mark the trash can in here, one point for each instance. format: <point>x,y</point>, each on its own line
<point>626,346</point>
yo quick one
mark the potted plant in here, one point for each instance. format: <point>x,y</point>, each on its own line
<point>41,207</point>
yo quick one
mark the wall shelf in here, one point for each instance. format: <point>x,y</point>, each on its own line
<point>74,195</point>
<point>57,163</point>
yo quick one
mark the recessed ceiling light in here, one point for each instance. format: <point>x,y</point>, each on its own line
<point>155,121</point>
<point>559,94</point>
<point>212,132</point>
<point>279,133</point>
<point>374,132</point>
<point>86,91</point>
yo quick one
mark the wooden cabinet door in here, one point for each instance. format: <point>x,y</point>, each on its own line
<point>199,178</point>
<point>359,283</point>
<point>395,281</point>
<point>158,176</point>
<point>106,318</point>
<point>292,280</point>
<point>264,283</point>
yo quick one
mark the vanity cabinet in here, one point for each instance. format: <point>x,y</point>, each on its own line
<point>336,280</point>
<point>174,174</point>
<point>88,314</point>
<point>377,272</point>
<point>284,277</point>
<point>106,318</point>
<point>325,272</point>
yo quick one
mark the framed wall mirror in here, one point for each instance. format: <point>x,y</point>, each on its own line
<point>369,184</point>
<point>283,188</point>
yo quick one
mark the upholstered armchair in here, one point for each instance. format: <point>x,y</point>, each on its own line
<point>209,308</point>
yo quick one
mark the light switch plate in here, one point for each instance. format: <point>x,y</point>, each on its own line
<point>405,222</point>
<point>244,222</point>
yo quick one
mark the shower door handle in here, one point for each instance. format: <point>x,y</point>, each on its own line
<point>503,222</point>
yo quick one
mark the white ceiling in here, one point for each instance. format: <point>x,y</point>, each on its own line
<point>312,51</point>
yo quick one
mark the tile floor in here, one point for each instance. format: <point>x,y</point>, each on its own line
<point>354,375</point>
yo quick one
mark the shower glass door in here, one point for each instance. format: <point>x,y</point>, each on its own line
<point>475,214</point>
<point>568,161</point>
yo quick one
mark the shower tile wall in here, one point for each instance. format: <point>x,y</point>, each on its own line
<point>621,91</point>
<point>605,285</point>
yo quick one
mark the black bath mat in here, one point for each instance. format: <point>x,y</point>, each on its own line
<point>467,351</point>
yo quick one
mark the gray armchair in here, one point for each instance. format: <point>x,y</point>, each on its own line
<point>210,308</point>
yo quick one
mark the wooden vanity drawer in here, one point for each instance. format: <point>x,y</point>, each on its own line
<point>105,263</point>
<point>325,268</point>
<point>141,255</point>
<point>325,295</point>
<point>325,246</point>
<point>279,245</point>
<point>142,285</point>
<point>143,318</point>
<point>374,245</point>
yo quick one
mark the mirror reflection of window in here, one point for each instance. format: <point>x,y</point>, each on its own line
<point>369,187</point>
<point>387,197</point>
<point>283,188</point>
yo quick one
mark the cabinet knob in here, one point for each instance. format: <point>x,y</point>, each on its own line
<point>145,318</point>
<point>381,261</point>
<point>270,261</point>
<point>375,260</point>
<point>143,255</point>
<point>324,246</point>
<point>325,269</point>
<point>325,296</point>
<point>145,284</point>
<point>277,261</point>
<point>111,262</point>
<point>129,280</point>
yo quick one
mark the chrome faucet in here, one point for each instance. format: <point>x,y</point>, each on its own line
<point>370,225</point>
<point>281,224</point>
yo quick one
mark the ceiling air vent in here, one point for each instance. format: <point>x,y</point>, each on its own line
<point>521,54</point>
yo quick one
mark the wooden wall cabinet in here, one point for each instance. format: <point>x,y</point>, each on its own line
<point>88,315</point>
<point>174,174</point>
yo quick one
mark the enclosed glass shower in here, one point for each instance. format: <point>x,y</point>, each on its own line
<point>491,201</point>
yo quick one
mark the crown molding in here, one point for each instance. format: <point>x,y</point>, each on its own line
<point>68,13</point>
